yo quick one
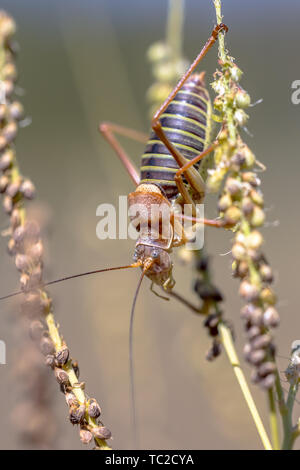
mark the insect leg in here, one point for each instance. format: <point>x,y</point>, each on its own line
<point>108,130</point>
<point>209,43</point>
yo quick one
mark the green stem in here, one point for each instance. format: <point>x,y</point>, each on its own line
<point>234,360</point>
<point>289,432</point>
<point>273,420</point>
<point>175,28</point>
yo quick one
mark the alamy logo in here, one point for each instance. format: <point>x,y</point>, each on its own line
<point>295,97</point>
<point>152,222</point>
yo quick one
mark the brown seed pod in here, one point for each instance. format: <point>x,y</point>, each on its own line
<point>76,414</point>
<point>10,131</point>
<point>36,330</point>
<point>85,436</point>
<point>261,342</point>
<point>71,399</point>
<point>266,368</point>
<point>256,357</point>
<point>62,356</point>
<point>61,376</point>
<point>16,110</point>
<point>248,291</point>
<point>7,157</point>
<point>271,318</point>
<point>266,273</point>
<point>50,361</point>
<point>268,382</point>
<point>28,189</point>
<point>47,346</point>
<point>101,432</point>
<point>268,296</point>
<point>94,409</point>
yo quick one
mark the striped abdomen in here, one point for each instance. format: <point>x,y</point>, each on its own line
<point>186,123</point>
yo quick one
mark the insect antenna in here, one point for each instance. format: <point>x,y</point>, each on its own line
<point>87,273</point>
<point>131,367</point>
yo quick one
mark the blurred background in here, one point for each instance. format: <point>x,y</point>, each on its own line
<point>84,62</point>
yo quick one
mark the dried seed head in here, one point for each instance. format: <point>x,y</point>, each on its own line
<point>266,368</point>
<point>94,409</point>
<point>266,273</point>
<point>11,247</point>
<point>16,110</point>
<point>261,342</point>
<point>6,158</point>
<point>271,318</point>
<point>247,206</point>
<point>242,269</point>
<point>268,296</point>
<point>248,291</point>
<point>13,189</point>
<point>71,399</point>
<point>8,204</point>
<point>85,436</point>
<point>254,240</point>
<point>10,131</point>
<point>4,181</point>
<point>241,117</point>
<point>7,26</point>
<point>233,187</point>
<point>22,262</point>
<point>62,356</point>
<point>61,376</point>
<point>253,332</point>
<point>76,414</point>
<point>238,251</point>
<point>224,202</point>
<point>101,432</point>
<point>28,189</point>
<point>50,361</point>
<point>242,99</point>
<point>47,346</point>
<point>256,357</point>
<point>15,218</point>
<point>232,215</point>
<point>36,330</point>
<point>268,382</point>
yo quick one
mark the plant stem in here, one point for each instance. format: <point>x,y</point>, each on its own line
<point>273,420</point>
<point>290,433</point>
<point>175,27</point>
<point>234,361</point>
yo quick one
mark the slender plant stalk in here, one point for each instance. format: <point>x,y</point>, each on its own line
<point>175,28</point>
<point>234,361</point>
<point>26,247</point>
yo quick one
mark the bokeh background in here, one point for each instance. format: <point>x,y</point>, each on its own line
<point>84,62</point>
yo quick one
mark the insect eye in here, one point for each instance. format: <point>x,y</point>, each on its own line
<point>154,254</point>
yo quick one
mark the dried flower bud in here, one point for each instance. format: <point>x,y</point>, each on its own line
<point>266,273</point>
<point>76,414</point>
<point>47,346</point>
<point>268,296</point>
<point>4,180</point>
<point>22,262</point>
<point>241,117</point>
<point>271,318</point>
<point>258,217</point>
<point>6,159</point>
<point>232,215</point>
<point>62,356</point>
<point>248,291</point>
<point>8,204</point>
<point>101,432</point>
<point>50,361</point>
<point>61,376</point>
<point>238,251</point>
<point>254,240</point>
<point>28,189</point>
<point>256,357</point>
<point>94,409</point>
<point>71,399</point>
<point>242,99</point>
<point>36,330</point>
<point>247,206</point>
<point>10,131</point>
<point>16,110</point>
<point>233,187</point>
<point>85,436</point>
<point>266,368</point>
<point>268,382</point>
<point>224,203</point>
<point>261,342</point>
